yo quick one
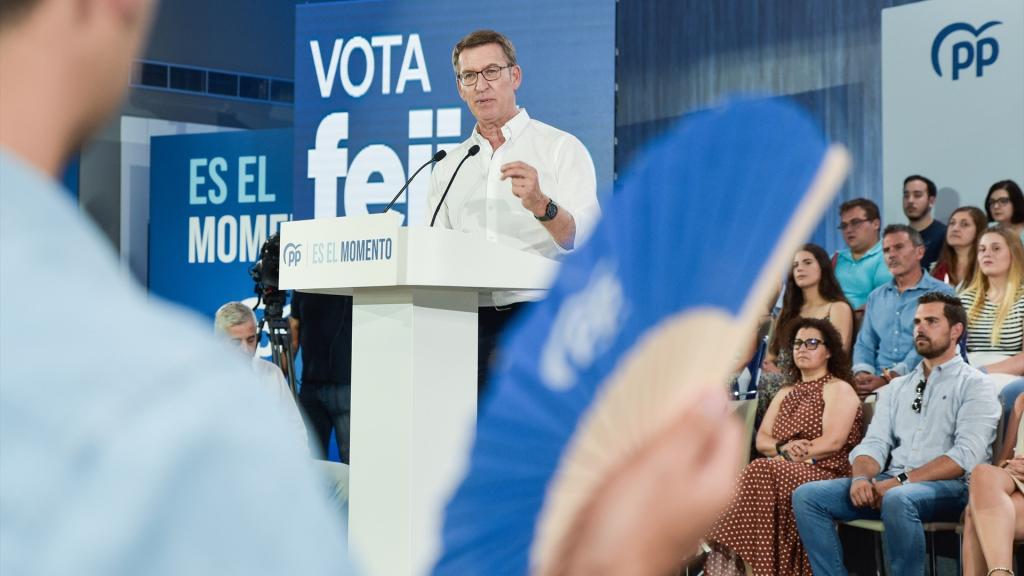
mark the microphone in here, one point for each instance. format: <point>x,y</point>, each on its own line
<point>435,158</point>
<point>471,152</point>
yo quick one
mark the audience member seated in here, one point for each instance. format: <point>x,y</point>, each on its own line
<point>1004,205</point>
<point>860,268</point>
<point>995,313</point>
<point>885,343</point>
<point>932,426</point>
<point>811,291</point>
<point>995,510</point>
<point>236,322</point>
<point>919,195</point>
<point>807,434</point>
<point>959,256</point>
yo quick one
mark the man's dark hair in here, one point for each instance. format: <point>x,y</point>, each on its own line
<point>915,237</point>
<point>952,308</point>
<point>12,10</point>
<point>481,38</point>
<point>870,208</point>
<point>932,190</point>
<point>1016,199</point>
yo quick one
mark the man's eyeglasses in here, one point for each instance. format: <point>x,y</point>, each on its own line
<point>852,223</point>
<point>810,343</point>
<point>919,397</point>
<point>491,73</point>
<point>999,202</point>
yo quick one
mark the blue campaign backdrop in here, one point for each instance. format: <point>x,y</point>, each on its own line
<point>375,92</point>
<point>214,199</point>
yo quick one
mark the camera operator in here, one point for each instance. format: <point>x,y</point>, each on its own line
<point>321,327</point>
<point>236,322</point>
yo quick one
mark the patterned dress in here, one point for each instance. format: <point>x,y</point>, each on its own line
<point>759,525</point>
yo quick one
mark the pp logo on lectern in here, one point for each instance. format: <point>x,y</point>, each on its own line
<point>292,254</point>
<point>971,51</point>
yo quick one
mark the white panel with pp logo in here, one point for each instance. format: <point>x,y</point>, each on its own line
<point>952,99</point>
<point>324,254</point>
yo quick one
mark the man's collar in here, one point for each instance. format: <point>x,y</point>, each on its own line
<point>924,274</point>
<point>953,362</point>
<point>848,252</point>
<point>510,131</point>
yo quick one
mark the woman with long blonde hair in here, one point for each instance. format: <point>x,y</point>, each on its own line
<point>994,301</point>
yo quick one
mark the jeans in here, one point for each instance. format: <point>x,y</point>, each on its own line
<point>327,406</point>
<point>1007,396</point>
<point>818,505</point>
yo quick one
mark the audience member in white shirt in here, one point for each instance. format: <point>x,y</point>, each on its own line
<point>237,322</point>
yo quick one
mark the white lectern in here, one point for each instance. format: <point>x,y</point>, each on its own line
<point>414,340</point>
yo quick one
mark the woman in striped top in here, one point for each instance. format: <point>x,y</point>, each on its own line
<point>995,307</point>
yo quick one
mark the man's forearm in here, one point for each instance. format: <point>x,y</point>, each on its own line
<point>941,468</point>
<point>863,358</point>
<point>562,229</point>
<point>865,466</point>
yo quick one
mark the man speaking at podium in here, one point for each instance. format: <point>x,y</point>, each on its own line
<point>531,186</point>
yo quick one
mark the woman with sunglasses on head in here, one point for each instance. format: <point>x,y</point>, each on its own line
<point>807,434</point>
<point>812,291</point>
<point>995,509</point>
<point>958,258</point>
<point>1004,205</point>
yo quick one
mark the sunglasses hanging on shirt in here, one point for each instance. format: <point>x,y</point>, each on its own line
<point>919,396</point>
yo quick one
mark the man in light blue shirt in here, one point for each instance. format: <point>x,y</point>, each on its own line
<point>130,439</point>
<point>860,268</point>
<point>885,342</point>
<point>932,426</point>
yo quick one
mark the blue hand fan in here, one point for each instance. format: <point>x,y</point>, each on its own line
<point>655,306</point>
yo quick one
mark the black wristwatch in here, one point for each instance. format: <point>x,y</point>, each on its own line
<point>550,211</point>
<point>902,478</point>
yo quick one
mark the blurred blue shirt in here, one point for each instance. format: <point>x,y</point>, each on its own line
<point>131,441</point>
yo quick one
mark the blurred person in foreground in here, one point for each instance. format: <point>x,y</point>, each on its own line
<point>123,452</point>
<point>139,462</point>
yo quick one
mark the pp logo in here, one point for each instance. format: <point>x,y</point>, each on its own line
<point>292,254</point>
<point>977,52</point>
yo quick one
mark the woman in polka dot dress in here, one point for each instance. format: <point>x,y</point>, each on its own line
<point>806,435</point>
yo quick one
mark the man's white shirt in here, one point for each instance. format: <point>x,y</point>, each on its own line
<point>273,382</point>
<point>481,202</point>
